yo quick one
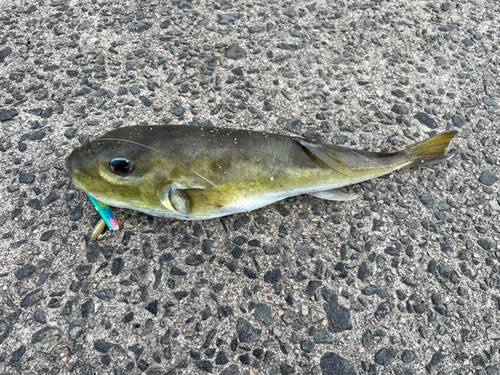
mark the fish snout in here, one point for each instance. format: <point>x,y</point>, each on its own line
<point>72,164</point>
<point>76,165</point>
<point>68,163</point>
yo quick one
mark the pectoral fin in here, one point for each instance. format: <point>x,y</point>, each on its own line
<point>334,195</point>
<point>325,156</point>
<point>192,202</point>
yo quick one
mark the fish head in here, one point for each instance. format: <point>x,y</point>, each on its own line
<point>117,172</point>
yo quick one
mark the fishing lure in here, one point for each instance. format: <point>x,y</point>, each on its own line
<point>97,232</point>
<point>107,218</point>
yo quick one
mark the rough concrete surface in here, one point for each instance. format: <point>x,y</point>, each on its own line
<point>303,286</point>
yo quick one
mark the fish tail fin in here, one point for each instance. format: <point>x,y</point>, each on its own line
<point>430,151</point>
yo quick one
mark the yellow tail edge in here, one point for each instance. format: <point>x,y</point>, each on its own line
<point>430,151</point>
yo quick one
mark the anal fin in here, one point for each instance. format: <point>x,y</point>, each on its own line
<point>334,195</point>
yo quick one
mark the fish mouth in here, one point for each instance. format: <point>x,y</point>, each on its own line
<point>77,171</point>
<point>72,163</point>
<point>67,161</point>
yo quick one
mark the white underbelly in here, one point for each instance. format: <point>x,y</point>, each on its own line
<point>243,205</point>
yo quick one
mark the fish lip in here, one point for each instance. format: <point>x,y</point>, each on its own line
<point>67,163</point>
<point>70,161</point>
<point>76,172</point>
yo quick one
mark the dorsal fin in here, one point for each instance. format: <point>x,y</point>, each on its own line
<point>326,156</point>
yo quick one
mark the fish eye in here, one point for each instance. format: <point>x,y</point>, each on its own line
<point>121,166</point>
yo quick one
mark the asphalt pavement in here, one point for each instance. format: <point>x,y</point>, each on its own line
<point>404,280</point>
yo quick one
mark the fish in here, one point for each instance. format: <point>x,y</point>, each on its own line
<point>197,173</point>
